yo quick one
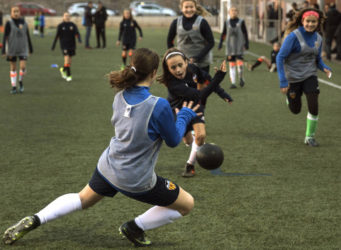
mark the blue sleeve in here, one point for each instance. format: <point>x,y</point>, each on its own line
<point>320,64</point>
<point>162,123</point>
<point>289,46</point>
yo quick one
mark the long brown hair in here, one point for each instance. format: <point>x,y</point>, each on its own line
<point>297,21</point>
<point>166,76</point>
<point>143,62</point>
<point>201,11</point>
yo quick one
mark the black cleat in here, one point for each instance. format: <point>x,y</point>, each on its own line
<point>133,233</point>
<point>189,170</point>
<point>18,230</point>
<point>233,86</point>
<point>241,83</point>
<point>310,141</point>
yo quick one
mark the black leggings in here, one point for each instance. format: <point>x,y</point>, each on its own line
<point>311,90</point>
<point>296,103</point>
<point>100,33</point>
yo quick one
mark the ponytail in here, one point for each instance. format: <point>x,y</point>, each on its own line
<point>143,63</point>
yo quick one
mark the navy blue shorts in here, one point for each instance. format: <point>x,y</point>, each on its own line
<point>309,85</point>
<point>69,52</point>
<point>235,58</point>
<point>14,58</point>
<point>128,46</point>
<point>164,193</point>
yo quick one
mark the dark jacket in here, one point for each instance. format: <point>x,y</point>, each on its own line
<point>100,17</point>
<point>88,16</point>
<point>333,20</point>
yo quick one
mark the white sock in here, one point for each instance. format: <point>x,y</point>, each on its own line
<point>240,71</point>
<point>13,75</point>
<point>193,155</point>
<point>61,206</point>
<point>156,217</point>
<point>233,74</point>
<point>21,74</point>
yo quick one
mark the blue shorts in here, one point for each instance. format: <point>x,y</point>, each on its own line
<point>128,46</point>
<point>14,58</point>
<point>235,58</point>
<point>164,193</point>
<point>309,85</point>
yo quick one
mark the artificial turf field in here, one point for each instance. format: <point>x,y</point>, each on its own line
<point>276,193</point>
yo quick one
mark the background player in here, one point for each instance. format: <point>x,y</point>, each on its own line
<point>183,81</point>
<point>194,34</point>
<point>237,40</point>
<point>127,34</point>
<point>16,44</point>
<point>271,64</point>
<point>297,63</point>
<point>67,32</point>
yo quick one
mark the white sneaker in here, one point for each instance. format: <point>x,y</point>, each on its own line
<point>69,78</point>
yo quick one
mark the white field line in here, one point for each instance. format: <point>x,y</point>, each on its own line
<point>320,80</point>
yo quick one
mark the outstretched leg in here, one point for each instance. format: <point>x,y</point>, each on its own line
<point>61,206</point>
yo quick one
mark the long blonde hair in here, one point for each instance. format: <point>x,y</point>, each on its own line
<point>201,11</point>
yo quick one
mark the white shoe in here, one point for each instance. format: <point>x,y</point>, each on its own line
<point>69,78</point>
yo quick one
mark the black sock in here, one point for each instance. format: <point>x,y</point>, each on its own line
<point>36,221</point>
<point>20,83</point>
<point>124,59</point>
<point>68,71</point>
<point>256,64</point>
<point>133,226</point>
<point>14,88</point>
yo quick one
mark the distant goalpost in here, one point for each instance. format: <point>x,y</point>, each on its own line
<point>224,6</point>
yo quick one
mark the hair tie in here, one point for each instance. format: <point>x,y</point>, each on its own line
<point>310,13</point>
<point>175,53</point>
<point>133,68</point>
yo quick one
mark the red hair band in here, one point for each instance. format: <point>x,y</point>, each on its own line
<point>310,13</point>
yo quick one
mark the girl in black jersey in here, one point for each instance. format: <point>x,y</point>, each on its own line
<point>270,63</point>
<point>183,81</point>
<point>67,32</point>
<point>127,34</point>
<point>194,34</point>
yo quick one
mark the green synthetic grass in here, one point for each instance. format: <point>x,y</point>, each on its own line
<point>52,136</point>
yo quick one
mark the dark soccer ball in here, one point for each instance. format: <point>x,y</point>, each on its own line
<point>210,156</point>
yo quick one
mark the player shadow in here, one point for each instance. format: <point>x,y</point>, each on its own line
<point>84,238</point>
<point>219,172</point>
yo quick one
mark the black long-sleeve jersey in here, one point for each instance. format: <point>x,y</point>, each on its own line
<point>17,22</point>
<point>205,31</point>
<point>128,31</point>
<point>66,33</point>
<point>233,23</point>
<point>273,56</point>
<point>180,90</point>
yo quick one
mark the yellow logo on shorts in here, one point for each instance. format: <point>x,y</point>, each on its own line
<point>170,185</point>
<point>292,95</point>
